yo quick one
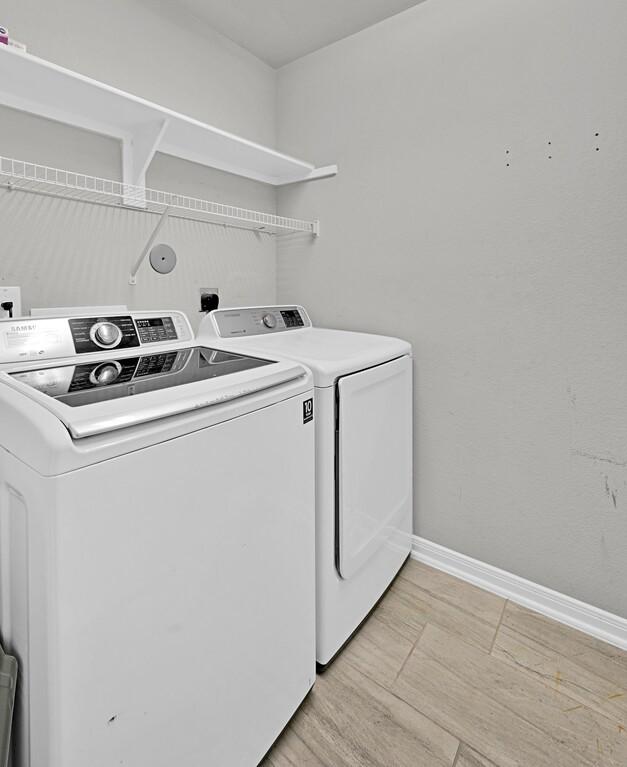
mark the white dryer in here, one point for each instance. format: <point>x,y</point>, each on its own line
<point>363,417</point>
<point>156,543</point>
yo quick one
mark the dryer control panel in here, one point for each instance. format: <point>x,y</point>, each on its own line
<point>44,338</point>
<point>258,320</point>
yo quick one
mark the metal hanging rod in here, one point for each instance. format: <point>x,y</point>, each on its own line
<point>41,179</point>
<point>132,280</point>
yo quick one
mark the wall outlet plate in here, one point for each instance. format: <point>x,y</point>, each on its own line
<point>11,294</point>
<point>202,292</point>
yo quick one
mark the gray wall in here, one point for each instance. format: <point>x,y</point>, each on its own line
<point>62,253</point>
<point>511,282</point>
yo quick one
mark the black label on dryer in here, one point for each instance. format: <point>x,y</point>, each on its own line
<point>308,410</point>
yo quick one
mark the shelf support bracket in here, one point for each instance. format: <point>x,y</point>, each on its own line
<point>325,172</point>
<point>132,280</point>
<point>138,149</point>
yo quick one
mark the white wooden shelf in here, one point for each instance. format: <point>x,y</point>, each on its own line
<point>33,85</point>
<point>40,179</point>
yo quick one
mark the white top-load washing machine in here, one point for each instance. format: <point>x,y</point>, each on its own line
<point>156,543</point>
<point>363,416</point>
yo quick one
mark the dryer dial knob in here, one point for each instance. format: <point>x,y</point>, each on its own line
<point>106,334</point>
<point>269,320</point>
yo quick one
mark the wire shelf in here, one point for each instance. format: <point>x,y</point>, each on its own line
<point>40,179</point>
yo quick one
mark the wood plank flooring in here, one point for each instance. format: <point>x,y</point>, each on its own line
<point>444,674</point>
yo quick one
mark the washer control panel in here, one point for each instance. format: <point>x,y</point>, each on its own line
<point>93,334</point>
<point>41,338</point>
<point>231,323</point>
<point>153,329</point>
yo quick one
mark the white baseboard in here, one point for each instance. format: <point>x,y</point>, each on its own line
<point>579,615</point>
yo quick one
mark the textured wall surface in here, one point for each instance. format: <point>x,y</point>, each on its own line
<point>62,253</point>
<point>509,280</point>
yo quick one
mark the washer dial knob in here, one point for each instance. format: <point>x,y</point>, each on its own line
<point>269,320</point>
<point>106,334</point>
<point>105,374</point>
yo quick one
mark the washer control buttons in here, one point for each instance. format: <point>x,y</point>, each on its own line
<point>154,329</point>
<point>292,318</point>
<point>269,320</point>
<point>106,334</point>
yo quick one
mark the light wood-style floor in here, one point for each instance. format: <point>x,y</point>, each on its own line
<point>445,674</point>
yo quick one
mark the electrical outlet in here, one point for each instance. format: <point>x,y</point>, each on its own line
<point>203,305</point>
<point>13,295</point>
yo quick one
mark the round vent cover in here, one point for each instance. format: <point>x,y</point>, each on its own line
<point>162,258</point>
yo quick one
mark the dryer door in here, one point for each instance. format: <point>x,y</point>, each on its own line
<point>374,463</point>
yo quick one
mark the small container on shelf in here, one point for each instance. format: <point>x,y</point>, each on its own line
<point>4,35</point>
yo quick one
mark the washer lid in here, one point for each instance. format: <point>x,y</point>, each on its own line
<point>329,354</point>
<point>100,396</point>
<point>79,383</point>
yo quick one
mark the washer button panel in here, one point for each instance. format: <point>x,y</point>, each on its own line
<point>154,329</point>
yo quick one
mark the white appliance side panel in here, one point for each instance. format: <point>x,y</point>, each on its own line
<point>180,614</point>
<point>374,461</point>
<point>27,588</point>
